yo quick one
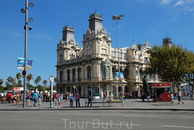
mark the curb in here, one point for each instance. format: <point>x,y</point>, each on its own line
<point>78,109</point>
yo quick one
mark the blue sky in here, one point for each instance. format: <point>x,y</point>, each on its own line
<point>143,19</point>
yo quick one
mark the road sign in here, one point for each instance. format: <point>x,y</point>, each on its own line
<point>24,72</point>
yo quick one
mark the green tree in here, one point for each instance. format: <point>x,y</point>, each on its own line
<point>14,84</point>
<point>40,88</point>
<point>18,76</point>
<point>36,82</point>
<point>7,84</point>
<point>38,79</point>
<point>45,82</point>
<point>1,82</point>
<point>19,83</point>
<point>170,63</point>
<point>29,77</point>
<point>9,79</point>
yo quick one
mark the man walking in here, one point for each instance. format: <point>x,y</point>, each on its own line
<point>35,98</point>
<point>148,95</point>
<point>179,97</point>
<point>110,98</point>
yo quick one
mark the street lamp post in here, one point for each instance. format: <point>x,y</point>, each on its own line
<point>115,17</point>
<point>25,49</point>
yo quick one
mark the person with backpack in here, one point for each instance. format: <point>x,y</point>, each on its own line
<point>71,97</point>
<point>77,99</point>
<point>57,99</point>
<point>39,98</point>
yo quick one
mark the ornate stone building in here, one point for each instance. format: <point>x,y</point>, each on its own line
<point>94,66</point>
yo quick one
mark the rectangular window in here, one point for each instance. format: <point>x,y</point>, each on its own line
<point>103,51</point>
<point>88,52</point>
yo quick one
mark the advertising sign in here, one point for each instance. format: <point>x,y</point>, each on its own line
<point>161,85</point>
<point>154,76</point>
<point>117,75</point>
<point>21,63</point>
<point>18,88</point>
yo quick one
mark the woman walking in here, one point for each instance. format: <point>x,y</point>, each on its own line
<point>179,97</point>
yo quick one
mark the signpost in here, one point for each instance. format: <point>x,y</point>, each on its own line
<point>24,72</point>
<point>51,101</point>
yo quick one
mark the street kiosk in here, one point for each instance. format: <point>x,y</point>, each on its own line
<point>163,90</point>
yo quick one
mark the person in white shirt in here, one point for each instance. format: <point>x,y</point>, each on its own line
<point>110,98</point>
<point>179,97</point>
<point>172,98</point>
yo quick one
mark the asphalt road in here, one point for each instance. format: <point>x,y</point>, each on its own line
<point>92,120</point>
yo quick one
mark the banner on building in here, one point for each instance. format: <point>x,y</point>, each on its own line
<point>117,75</point>
<point>21,63</point>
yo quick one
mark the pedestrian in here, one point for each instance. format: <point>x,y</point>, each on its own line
<point>57,100</point>
<point>67,97</point>
<point>90,98</point>
<point>61,97</point>
<point>18,98</point>
<point>35,98</point>
<point>77,99</point>
<point>44,96</point>
<point>179,97</point>
<point>39,98</point>
<point>124,97</point>
<point>14,100</point>
<point>71,97</point>
<point>148,95</point>
<point>155,97</point>
<point>27,98</point>
<point>110,98</point>
<point>172,98</point>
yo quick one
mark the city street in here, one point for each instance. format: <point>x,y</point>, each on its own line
<point>128,104</point>
<point>89,120</point>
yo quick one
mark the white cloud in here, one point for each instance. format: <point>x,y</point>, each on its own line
<point>192,9</point>
<point>17,34</point>
<point>166,2</point>
<point>180,2</point>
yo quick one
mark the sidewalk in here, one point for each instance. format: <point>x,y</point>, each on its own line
<point>128,104</point>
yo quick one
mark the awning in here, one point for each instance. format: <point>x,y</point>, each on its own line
<point>161,85</point>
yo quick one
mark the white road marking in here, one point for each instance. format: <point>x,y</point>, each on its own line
<point>188,117</point>
<point>173,126</point>
<point>114,124</point>
<point>139,115</point>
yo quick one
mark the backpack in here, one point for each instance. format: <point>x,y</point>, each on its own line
<point>77,96</point>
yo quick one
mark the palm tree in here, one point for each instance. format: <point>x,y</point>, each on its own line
<point>45,82</point>
<point>7,84</point>
<point>36,82</point>
<point>13,82</point>
<point>1,82</point>
<point>18,76</point>
<point>9,79</point>
<point>38,79</point>
<point>19,83</point>
<point>29,77</point>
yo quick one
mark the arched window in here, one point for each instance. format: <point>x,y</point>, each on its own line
<point>68,75</point>
<point>89,73</point>
<point>73,75</point>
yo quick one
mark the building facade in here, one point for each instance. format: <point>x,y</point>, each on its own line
<point>93,67</point>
